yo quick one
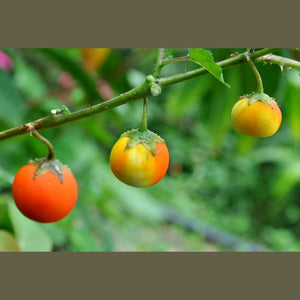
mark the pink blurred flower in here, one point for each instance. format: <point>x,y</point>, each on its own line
<point>5,62</point>
<point>105,90</point>
<point>65,79</point>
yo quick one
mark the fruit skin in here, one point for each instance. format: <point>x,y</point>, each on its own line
<point>257,119</point>
<point>44,199</point>
<point>93,58</point>
<point>136,166</point>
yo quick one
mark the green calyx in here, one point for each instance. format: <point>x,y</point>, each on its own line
<point>266,99</point>
<point>146,137</point>
<point>44,165</point>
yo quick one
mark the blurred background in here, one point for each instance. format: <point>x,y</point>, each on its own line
<point>223,191</point>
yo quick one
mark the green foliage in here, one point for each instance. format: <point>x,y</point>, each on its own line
<point>30,236</point>
<point>11,102</point>
<point>70,65</point>
<point>240,185</point>
<point>8,242</point>
<point>205,59</point>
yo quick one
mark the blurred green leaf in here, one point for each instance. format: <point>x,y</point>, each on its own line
<point>269,154</point>
<point>205,59</point>
<point>6,176</point>
<point>135,77</point>
<point>8,243</point>
<point>287,178</point>
<point>28,80</point>
<point>57,232</point>
<point>83,240</point>
<point>139,203</point>
<point>280,239</point>
<point>5,222</point>
<point>11,103</point>
<point>68,64</point>
<point>220,108</point>
<point>29,234</point>
<point>183,100</point>
<point>292,99</point>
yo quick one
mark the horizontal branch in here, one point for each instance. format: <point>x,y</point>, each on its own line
<point>139,92</point>
<point>224,64</point>
<point>54,120</point>
<point>279,60</point>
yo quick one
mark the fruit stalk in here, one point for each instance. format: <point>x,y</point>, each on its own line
<point>51,152</point>
<point>260,87</point>
<point>144,125</point>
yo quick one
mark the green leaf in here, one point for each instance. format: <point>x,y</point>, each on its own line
<point>11,103</point>
<point>8,243</point>
<point>30,235</point>
<point>205,59</point>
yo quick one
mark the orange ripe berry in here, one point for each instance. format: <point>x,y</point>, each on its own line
<point>44,198</point>
<point>137,166</point>
<point>257,119</point>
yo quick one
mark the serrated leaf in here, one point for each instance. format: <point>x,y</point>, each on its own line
<point>8,243</point>
<point>30,235</point>
<point>205,59</point>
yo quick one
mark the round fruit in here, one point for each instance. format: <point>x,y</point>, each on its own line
<point>93,58</point>
<point>257,118</point>
<point>139,162</point>
<point>43,196</point>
